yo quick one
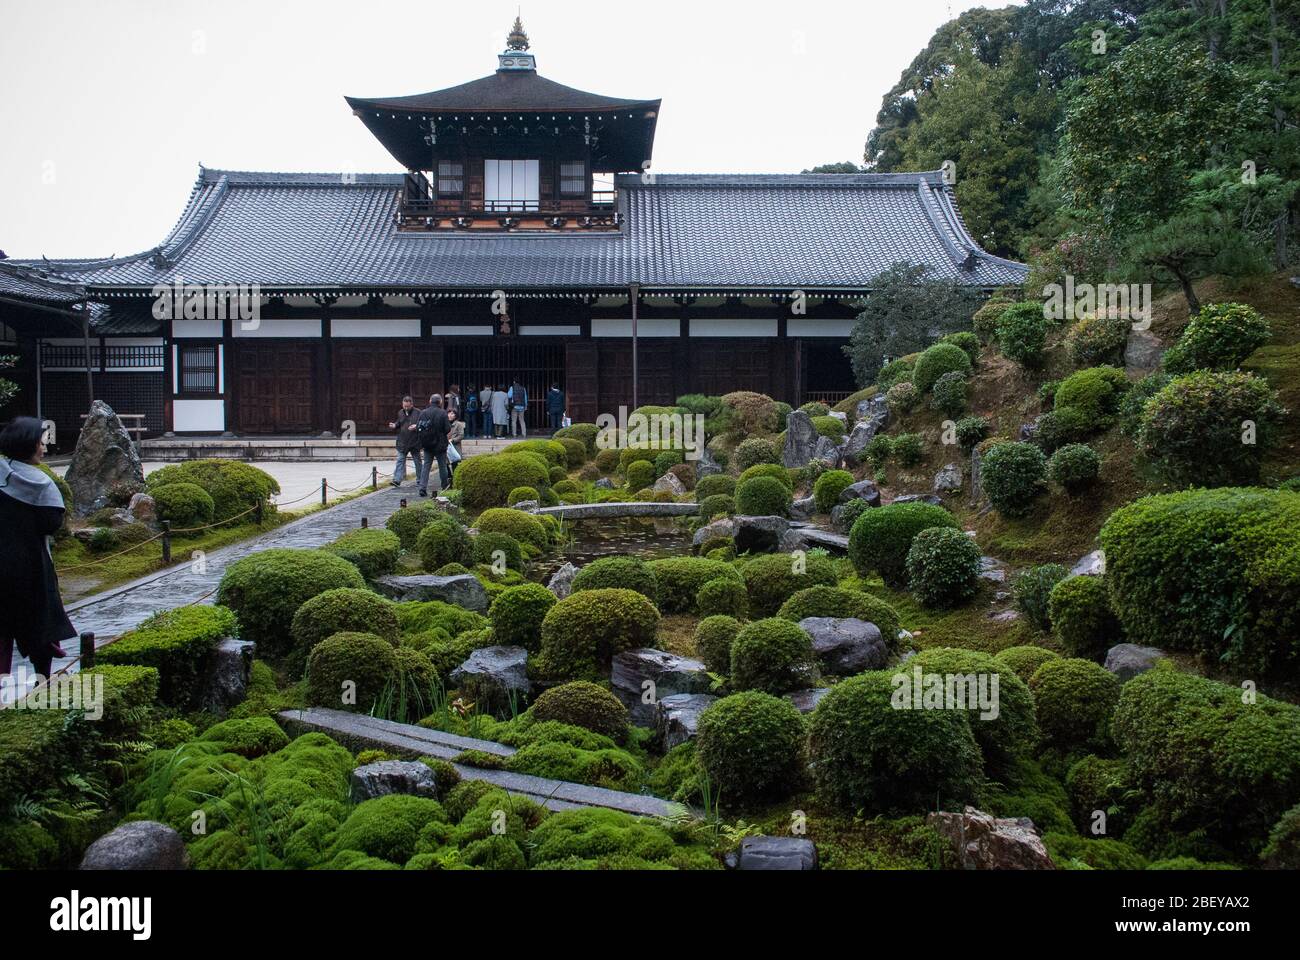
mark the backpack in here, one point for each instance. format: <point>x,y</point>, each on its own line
<point>521,402</point>
<point>471,404</point>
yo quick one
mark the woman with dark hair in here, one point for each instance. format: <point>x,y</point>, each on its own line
<point>31,510</point>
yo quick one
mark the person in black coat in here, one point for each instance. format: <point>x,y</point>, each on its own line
<point>433,428</point>
<point>31,510</point>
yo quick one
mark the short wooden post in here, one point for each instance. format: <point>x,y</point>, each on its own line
<point>258,511</point>
<point>402,504</point>
<point>374,478</point>
<point>87,651</point>
<point>166,541</point>
<point>365,522</point>
<point>324,484</point>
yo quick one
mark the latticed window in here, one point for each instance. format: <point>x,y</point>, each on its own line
<point>451,178</point>
<point>573,178</point>
<point>198,369</point>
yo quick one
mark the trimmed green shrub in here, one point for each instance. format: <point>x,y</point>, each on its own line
<point>517,614</point>
<point>1080,613</point>
<point>1213,572</point>
<point>265,589</point>
<point>609,767</point>
<point>552,450</point>
<point>234,486</point>
<point>524,527</point>
<point>906,448</point>
<point>751,744</point>
<point>713,485</point>
<point>815,408</point>
<point>373,552</point>
<point>829,486</point>
<point>1013,475</point>
<point>773,470</point>
<point>1075,700</point>
<point>714,636</point>
<point>826,601</point>
<point>943,566</point>
<point>640,474</point>
<point>1096,393</point>
<point>1032,590</point>
<point>575,451</point>
<point>850,512</point>
<point>681,579</point>
<point>348,671</point>
<point>879,450</point>
<point>389,827</point>
<point>1074,467</point>
<point>592,839</point>
<point>582,632</point>
<point>868,756</point>
<point>1210,429</point>
<point>772,655</point>
<point>494,549</point>
<point>749,413</point>
<point>584,433</point>
<point>586,705</point>
<point>1056,428</point>
<point>346,610</point>
<point>772,579</point>
<point>937,360</point>
<point>444,540</point>
<point>755,450</point>
<point>902,398</point>
<point>1022,333</point>
<point>607,461</point>
<point>487,479</point>
<point>627,573</point>
<point>1097,340</point>
<point>968,341</point>
<point>830,427</point>
<point>1026,659</point>
<point>183,504</point>
<point>985,320</point>
<point>521,494</point>
<point>881,538</point>
<point>1219,337</point>
<point>178,644</point>
<point>409,521</point>
<point>717,505</point>
<point>666,461</point>
<point>895,371</point>
<point>949,393</point>
<point>971,431</point>
<point>763,497</point>
<point>723,596</point>
<point>249,737</point>
<point>1098,853</point>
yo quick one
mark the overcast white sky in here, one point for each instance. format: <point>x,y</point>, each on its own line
<point>107,107</point>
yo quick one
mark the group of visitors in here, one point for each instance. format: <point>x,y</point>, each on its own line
<point>435,433</point>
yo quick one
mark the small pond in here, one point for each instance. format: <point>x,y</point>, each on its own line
<point>648,539</point>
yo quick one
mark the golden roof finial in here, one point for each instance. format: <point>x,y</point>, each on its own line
<point>518,39</point>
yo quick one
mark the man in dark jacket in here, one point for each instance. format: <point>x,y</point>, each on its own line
<point>408,444</point>
<point>555,406</point>
<point>432,429</point>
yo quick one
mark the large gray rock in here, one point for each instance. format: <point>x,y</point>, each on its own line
<point>723,527</point>
<point>143,509</point>
<point>803,508</point>
<point>706,466</point>
<point>805,701</point>
<point>862,490</point>
<point>604,483</point>
<point>872,416</point>
<point>669,483</point>
<point>805,537</point>
<point>1127,660</point>
<point>993,570</point>
<point>561,582</point>
<point>494,674</point>
<point>776,853</point>
<point>641,678</point>
<point>759,534</point>
<point>801,438</point>
<point>138,845</point>
<point>948,479</point>
<point>462,590</point>
<point>226,682</point>
<point>844,646</point>
<point>828,451</point>
<point>1092,565</point>
<point>1028,431</point>
<point>678,717</point>
<point>929,498</point>
<point>1143,351</point>
<point>976,478</point>
<point>393,776</point>
<point>105,468</point>
<point>984,842</point>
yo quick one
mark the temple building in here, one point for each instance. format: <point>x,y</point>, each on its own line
<point>524,235</point>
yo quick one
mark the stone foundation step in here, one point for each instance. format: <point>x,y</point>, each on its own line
<point>356,731</point>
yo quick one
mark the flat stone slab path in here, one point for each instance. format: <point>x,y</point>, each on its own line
<point>356,731</point>
<point>115,611</point>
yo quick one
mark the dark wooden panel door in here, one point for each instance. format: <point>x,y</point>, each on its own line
<point>582,368</point>
<point>276,386</point>
<point>371,377</point>
<point>721,366</point>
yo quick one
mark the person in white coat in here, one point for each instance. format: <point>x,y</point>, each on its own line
<point>500,410</point>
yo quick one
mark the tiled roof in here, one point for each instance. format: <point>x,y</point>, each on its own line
<point>20,281</point>
<point>289,231</point>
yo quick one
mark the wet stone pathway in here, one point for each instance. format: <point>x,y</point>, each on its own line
<point>113,612</point>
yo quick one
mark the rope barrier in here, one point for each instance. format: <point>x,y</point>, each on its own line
<point>95,563</point>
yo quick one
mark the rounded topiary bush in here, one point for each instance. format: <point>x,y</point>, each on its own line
<point>498,550</point>
<point>723,596</point>
<point>1219,337</point>
<point>1210,429</point>
<point>829,486</point>
<point>586,705</point>
<point>943,567</point>
<point>714,485</point>
<point>1212,572</point>
<point>1032,590</point>
<point>1097,340</point>
<point>895,371</point>
<point>763,497</point>
<point>869,756</point>
<point>348,671</point>
<point>881,538</point>
<point>949,393</point>
<point>1096,393</point>
<point>1074,467</point>
<point>1056,428</point>
<point>487,479</point>
<point>971,431</point>
<point>772,655</point>
<point>442,541</point>
<point>409,521</point>
<point>826,601</point>
<point>640,474</point>
<point>346,610</point>
<point>524,494</point>
<point>575,451</point>
<point>717,505</point>
<point>830,427</point>
<point>627,573</point>
<point>773,470</point>
<point>753,451</point>
<point>265,589</point>
<point>1022,333</point>
<point>1080,613</point>
<point>681,579</point>
<point>582,632</point>
<point>517,614</point>
<point>968,341</point>
<point>937,360</point>
<point>524,527</point>
<point>772,579</point>
<point>607,461</point>
<point>235,487</point>
<point>751,745</point>
<point>1075,700</point>
<point>1013,475</point>
<point>1024,660</point>
<point>373,552</point>
<point>665,461</point>
<point>902,398</point>
<point>714,636</point>
<point>183,504</point>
